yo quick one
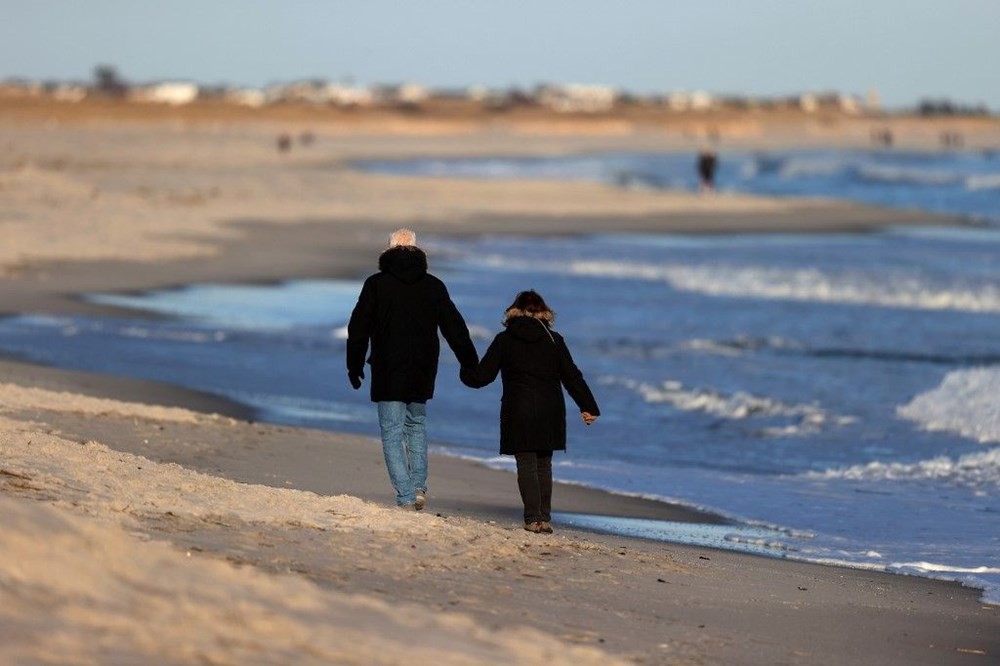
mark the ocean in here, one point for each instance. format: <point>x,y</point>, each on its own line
<point>963,183</point>
<point>836,395</point>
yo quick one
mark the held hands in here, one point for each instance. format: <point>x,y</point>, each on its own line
<point>356,379</point>
<point>587,417</point>
<point>468,376</point>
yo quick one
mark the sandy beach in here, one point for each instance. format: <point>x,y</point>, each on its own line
<point>146,523</point>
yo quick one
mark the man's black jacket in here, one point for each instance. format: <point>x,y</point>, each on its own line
<point>400,310</point>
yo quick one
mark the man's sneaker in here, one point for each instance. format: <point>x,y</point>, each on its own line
<point>536,528</point>
<point>421,501</point>
<point>546,527</point>
<point>407,507</point>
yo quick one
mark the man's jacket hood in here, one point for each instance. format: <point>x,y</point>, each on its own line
<point>405,263</point>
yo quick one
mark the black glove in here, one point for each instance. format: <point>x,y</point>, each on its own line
<point>356,379</point>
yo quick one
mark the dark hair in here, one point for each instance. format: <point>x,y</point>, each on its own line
<point>530,304</point>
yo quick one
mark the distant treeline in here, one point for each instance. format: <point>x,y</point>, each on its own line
<point>946,107</point>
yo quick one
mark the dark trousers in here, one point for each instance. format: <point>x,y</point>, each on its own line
<point>534,480</point>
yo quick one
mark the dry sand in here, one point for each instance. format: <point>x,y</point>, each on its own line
<point>137,530</point>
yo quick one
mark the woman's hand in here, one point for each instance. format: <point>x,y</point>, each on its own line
<point>588,418</point>
<point>468,376</point>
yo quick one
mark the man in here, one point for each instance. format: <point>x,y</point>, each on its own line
<point>400,310</point>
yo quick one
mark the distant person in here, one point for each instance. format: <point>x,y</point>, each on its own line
<point>399,312</point>
<point>708,162</point>
<point>284,143</point>
<point>951,139</point>
<point>535,365</point>
<point>882,137</point>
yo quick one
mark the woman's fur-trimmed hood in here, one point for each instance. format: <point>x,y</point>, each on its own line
<point>548,317</point>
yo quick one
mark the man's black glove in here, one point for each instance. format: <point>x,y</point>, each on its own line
<point>356,379</point>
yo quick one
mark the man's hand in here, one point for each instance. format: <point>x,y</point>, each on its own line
<point>467,375</point>
<point>356,379</point>
<point>588,418</point>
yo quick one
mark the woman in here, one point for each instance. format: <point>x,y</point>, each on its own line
<point>534,364</point>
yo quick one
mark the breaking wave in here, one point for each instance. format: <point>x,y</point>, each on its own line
<point>988,181</point>
<point>802,284</point>
<point>973,470</point>
<point>802,418</point>
<point>903,175</point>
<point>966,402</point>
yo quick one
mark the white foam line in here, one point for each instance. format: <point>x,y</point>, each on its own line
<point>806,284</point>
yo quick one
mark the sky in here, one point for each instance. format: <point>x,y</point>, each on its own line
<point>907,50</point>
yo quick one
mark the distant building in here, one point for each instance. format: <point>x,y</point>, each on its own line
<point>349,95</point>
<point>496,100</point>
<point>21,88</point>
<point>849,104</point>
<point>577,98</point>
<point>479,94</point>
<point>246,97</point>
<point>698,100</point>
<point>299,91</point>
<point>808,103</point>
<point>409,95</point>
<point>173,93</point>
<point>412,93</point>
<point>812,102</point>
<point>67,92</point>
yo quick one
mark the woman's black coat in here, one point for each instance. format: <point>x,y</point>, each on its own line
<point>534,364</point>
<point>400,310</point>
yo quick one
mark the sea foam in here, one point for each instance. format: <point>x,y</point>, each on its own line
<point>900,290</point>
<point>966,402</point>
<point>974,470</point>
<point>805,418</point>
<point>986,181</point>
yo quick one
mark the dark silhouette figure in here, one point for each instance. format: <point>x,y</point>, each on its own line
<point>952,139</point>
<point>400,311</point>
<point>535,365</point>
<point>882,137</point>
<point>708,162</point>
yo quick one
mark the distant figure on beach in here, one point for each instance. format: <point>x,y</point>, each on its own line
<point>284,143</point>
<point>535,365</point>
<point>708,162</point>
<point>951,139</point>
<point>882,137</point>
<point>399,311</point>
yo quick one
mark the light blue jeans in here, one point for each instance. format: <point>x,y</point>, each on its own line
<point>404,444</point>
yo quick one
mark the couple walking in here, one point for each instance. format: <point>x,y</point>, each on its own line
<point>399,313</point>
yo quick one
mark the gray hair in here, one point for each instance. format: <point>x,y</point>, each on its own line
<point>403,237</point>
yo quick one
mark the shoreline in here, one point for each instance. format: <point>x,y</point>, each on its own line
<point>641,601</point>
